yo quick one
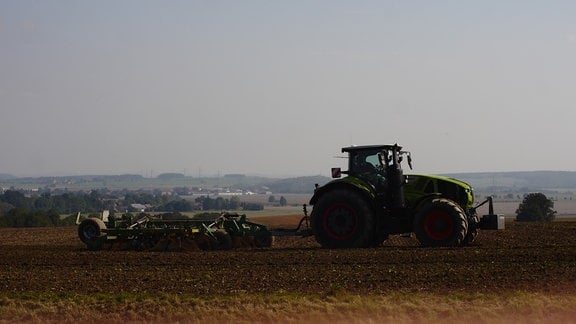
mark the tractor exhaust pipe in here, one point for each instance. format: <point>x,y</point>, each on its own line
<point>396,179</point>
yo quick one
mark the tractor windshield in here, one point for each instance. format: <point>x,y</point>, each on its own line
<point>365,163</point>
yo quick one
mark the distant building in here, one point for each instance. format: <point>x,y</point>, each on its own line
<point>139,207</point>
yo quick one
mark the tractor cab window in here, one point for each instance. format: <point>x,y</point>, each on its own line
<point>373,159</point>
<point>366,163</point>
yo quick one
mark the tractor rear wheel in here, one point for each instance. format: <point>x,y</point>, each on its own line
<point>472,230</point>
<point>440,222</point>
<point>469,239</point>
<point>90,229</point>
<point>343,219</point>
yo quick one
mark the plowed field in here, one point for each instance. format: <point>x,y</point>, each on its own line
<point>530,257</point>
<point>527,256</point>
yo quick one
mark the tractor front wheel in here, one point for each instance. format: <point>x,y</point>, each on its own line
<point>440,222</point>
<point>343,219</point>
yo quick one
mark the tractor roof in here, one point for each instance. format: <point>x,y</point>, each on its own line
<point>371,148</point>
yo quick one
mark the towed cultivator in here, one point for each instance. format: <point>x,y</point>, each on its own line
<point>155,234</point>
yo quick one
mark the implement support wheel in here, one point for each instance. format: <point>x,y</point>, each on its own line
<point>90,231</point>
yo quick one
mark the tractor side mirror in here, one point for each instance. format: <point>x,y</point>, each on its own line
<point>336,173</point>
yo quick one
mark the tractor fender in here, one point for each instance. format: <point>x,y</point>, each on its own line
<point>424,199</point>
<point>349,183</point>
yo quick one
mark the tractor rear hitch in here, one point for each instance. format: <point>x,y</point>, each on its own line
<point>491,221</point>
<point>303,229</point>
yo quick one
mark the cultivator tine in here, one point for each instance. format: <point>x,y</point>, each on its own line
<point>139,222</point>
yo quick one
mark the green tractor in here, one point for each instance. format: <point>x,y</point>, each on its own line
<point>375,199</point>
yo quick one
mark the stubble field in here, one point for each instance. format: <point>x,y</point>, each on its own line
<point>526,272</point>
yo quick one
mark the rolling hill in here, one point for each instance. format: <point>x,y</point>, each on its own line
<point>525,181</point>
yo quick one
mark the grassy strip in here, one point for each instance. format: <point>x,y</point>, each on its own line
<point>282,307</point>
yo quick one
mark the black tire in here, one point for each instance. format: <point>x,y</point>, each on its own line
<point>473,222</point>
<point>263,240</point>
<point>223,241</point>
<point>343,219</point>
<point>91,229</point>
<point>440,222</point>
<point>470,237</point>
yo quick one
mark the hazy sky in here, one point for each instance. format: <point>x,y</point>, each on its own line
<point>278,87</point>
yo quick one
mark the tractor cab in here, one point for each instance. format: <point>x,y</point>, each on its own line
<point>369,160</point>
<point>366,164</point>
<point>379,165</point>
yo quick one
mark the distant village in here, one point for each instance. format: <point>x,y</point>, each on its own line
<point>139,194</point>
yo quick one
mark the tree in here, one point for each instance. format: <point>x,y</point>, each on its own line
<point>271,199</point>
<point>19,217</point>
<point>15,198</point>
<point>283,201</point>
<point>181,205</point>
<point>219,203</point>
<point>234,203</point>
<point>536,207</point>
<point>252,206</point>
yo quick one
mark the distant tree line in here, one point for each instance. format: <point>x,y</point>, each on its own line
<point>62,204</point>
<point>44,209</point>
<point>19,210</point>
<point>281,202</point>
<point>18,217</point>
<point>221,203</point>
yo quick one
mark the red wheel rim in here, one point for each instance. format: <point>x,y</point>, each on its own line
<point>439,225</point>
<point>340,221</point>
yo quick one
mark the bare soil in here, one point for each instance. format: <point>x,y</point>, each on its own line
<point>531,257</point>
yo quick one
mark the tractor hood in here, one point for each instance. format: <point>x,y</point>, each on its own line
<point>418,185</point>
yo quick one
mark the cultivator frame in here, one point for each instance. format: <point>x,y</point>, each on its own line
<point>153,233</point>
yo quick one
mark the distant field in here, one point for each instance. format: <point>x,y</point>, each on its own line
<point>564,208</point>
<point>291,199</point>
